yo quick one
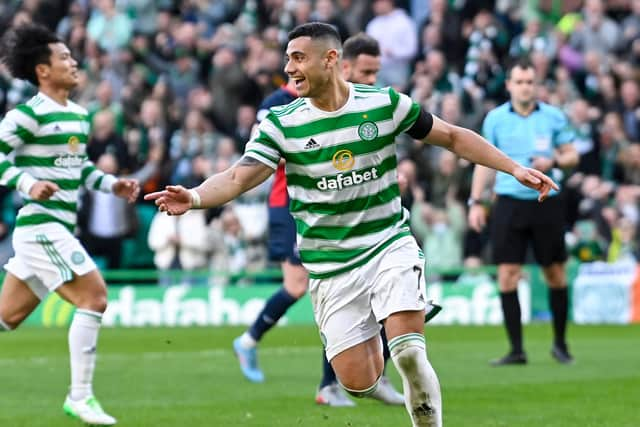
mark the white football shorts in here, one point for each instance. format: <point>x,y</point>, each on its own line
<point>47,256</point>
<point>349,307</point>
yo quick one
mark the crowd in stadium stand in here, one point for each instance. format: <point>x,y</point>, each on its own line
<point>172,87</point>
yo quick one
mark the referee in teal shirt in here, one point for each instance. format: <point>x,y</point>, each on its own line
<point>537,135</point>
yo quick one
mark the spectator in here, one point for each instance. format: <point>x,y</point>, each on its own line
<point>110,29</point>
<point>448,24</point>
<point>439,230</point>
<point>325,11</point>
<point>105,140</point>
<point>612,142</point>
<point>229,257</point>
<point>533,39</point>
<point>624,245</point>
<point>630,109</point>
<point>179,243</point>
<point>585,141</point>
<point>144,14</point>
<point>596,31</point>
<point>445,180</point>
<point>245,119</point>
<point>587,244</point>
<point>631,25</point>
<point>105,219</point>
<point>483,72</point>
<point>104,100</point>
<point>396,33</point>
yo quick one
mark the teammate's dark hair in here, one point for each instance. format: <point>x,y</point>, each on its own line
<point>316,30</point>
<point>25,47</point>
<point>360,44</point>
<point>523,62</point>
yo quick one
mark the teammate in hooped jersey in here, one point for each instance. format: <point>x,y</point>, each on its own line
<point>48,137</point>
<point>365,268</point>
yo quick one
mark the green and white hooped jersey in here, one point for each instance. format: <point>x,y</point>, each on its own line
<point>341,174</point>
<point>43,140</point>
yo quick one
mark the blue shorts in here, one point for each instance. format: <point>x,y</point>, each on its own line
<point>282,236</point>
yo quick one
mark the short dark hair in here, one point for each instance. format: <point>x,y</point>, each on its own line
<point>26,46</point>
<point>523,62</point>
<point>360,44</point>
<point>316,30</point>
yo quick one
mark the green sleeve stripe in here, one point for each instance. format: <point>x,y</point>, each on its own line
<point>347,232</point>
<point>13,182</point>
<point>86,171</point>
<point>25,109</point>
<point>24,134</point>
<point>262,154</point>
<point>310,183</point>
<point>275,121</point>
<point>265,139</point>
<point>4,166</point>
<point>369,89</point>
<point>394,97</point>
<point>361,262</point>
<point>287,109</point>
<point>360,204</point>
<point>96,185</point>
<point>5,148</point>
<point>410,119</point>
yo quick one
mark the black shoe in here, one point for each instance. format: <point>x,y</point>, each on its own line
<point>434,309</point>
<point>561,354</point>
<point>510,359</point>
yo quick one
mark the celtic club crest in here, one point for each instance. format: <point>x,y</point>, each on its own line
<point>368,131</point>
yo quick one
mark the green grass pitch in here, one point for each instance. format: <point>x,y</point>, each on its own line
<point>189,377</point>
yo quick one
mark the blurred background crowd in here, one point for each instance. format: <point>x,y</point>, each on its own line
<point>172,87</point>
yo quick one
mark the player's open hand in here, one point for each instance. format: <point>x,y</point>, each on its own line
<point>127,189</point>
<point>537,180</point>
<point>43,190</point>
<point>174,199</point>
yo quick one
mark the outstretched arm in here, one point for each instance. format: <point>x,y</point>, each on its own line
<point>473,147</point>
<point>220,188</point>
<point>215,190</point>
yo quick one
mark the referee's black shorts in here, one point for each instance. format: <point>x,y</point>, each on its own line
<point>516,223</point>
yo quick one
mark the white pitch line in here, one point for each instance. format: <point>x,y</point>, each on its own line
<point>155,355</point>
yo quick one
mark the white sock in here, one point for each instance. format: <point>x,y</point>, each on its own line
<point>421,387</point>
<point>4,327</point>
<point>83,337</point>
<point>247,341</point>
